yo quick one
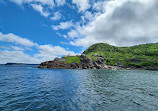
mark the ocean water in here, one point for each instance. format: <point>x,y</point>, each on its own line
<point>24,88</point>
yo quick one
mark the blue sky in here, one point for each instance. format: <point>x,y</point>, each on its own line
<point>33,31</point>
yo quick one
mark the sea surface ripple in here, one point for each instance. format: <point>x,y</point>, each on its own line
<point>24,88</point>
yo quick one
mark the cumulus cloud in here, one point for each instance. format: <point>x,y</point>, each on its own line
<point>39,8</point>
<point>122,23</point>
<point>16,39</point>
<point>16,57</point>
<point>49,52</point>
<point>82,5</point>
<point>56,16</point>
<point>16,54</point>
<point>63,25</point>
<point>46,52</point>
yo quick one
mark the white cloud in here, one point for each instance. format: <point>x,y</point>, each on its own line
<point>48,52</point>
<point>61,35</point>
<point>88,16</point>
<point>56,16</point>
<point>44,2</point>
<point>122,23</point>
<point>99,5</point>
<point>82,5</point>
<point>19,2</point>
<point>27,48</point>
<point>16,57</point>
<point>65,36</point>
<point>63,25</point>
<point>17,48</point>
<point>16,39</point>
<point>60,2</point>
<point>16,54</point>
<point>39,8</point>
<point>72,34</point>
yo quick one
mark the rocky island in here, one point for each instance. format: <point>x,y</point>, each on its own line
<point>105,56</point>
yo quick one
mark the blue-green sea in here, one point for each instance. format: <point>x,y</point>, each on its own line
<point>24,88</point>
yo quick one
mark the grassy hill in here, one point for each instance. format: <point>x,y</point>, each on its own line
<point>105,56</point>
<point>138,56</point>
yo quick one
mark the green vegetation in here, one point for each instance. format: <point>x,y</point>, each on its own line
<point>137,56</point>
<point>72,59</point>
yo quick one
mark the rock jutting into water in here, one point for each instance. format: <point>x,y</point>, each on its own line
<point>105,56</point>
<point>85,63</point>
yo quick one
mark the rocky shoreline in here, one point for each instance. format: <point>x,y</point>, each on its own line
<point>86,63</point>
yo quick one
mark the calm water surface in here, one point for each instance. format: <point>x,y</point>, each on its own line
<point>23,88</point>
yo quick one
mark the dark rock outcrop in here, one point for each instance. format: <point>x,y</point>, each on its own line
<point>55,65</point>
<point>102,55</point>
<point>58,63</point>
<point>86,63</point>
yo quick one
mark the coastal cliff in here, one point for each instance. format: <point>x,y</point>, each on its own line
<point>105,56</point>
<point>85,63</point>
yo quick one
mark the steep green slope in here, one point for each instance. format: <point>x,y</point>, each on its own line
<point>138,56</point>
<point>72,59</point>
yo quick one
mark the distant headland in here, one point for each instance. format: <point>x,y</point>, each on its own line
<point>105,56</point>
<point>19,64</point>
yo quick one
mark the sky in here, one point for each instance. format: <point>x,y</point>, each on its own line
<point>34,31</point>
